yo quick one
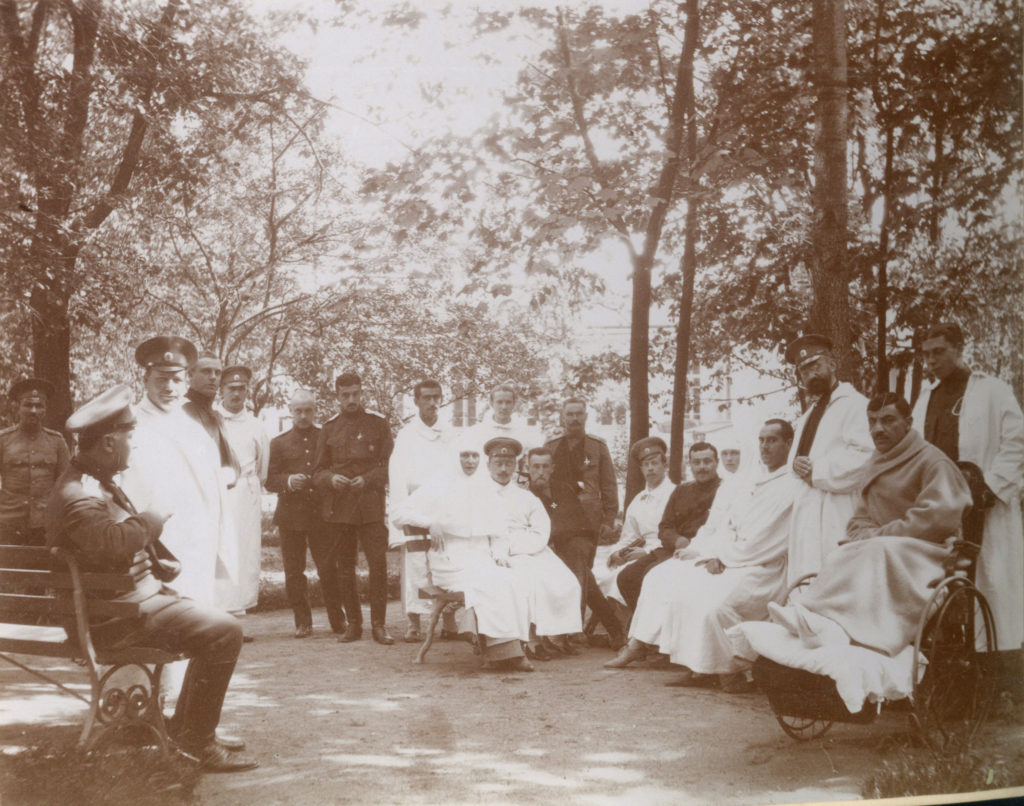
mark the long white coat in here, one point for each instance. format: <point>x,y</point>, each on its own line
<point>249,441</point>
<point>174,462</point>
<point>422,455</point>
<point>553,592</point>
<point>842,447</point>
<point>992,436</point>
<point>517,428</point>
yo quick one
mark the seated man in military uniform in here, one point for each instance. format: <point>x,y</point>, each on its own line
<point>90,516</point>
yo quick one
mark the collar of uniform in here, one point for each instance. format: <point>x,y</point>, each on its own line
<point>197,397</point>
<point>92,469</point>
<point>434,431</point>
<point>350,416</point>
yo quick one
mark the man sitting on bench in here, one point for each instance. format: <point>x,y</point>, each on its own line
<point>90,516</point>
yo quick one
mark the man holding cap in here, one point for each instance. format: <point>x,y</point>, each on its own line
<point>32,458</point>
<point>90,516</point>
<point>831,448</point>
<point>251,446</point>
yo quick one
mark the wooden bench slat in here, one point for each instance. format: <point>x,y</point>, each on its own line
<point>435,592</point>
<point>135,654</point>
<point>116,583</point>
<point>20,604</point>
<point>50,649</point>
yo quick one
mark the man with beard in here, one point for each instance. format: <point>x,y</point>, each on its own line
<point>974,417</point>
<point>351,473</point>
<point>251,447</point>
<point>32,458</point>
<point>685,512</point>
<point>574,541</point>
<point>831,448</point>
<point>422,452</point>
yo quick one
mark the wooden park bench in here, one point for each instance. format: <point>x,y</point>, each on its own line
<point>42,587</point>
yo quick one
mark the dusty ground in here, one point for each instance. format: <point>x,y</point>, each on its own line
<point>340,723</point>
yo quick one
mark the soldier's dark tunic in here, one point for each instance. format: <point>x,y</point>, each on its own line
<point>297,518</point>
<point>942,419</point>
<point>585,465</point>
<point>574,540</point>
<point>30,464</point>
<point>685,512</point>
<point>84,516</point>
<point>356,445</point>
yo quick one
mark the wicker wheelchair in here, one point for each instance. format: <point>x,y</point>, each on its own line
<point>951,692</point>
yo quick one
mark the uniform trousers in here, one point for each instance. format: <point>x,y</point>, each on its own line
<point>631,577</point>
<point>372,538</point>
<point>211,638</point>
<point>578,554</point>
<point>323,545</point>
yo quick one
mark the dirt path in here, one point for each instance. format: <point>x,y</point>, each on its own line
<point>337,723</point>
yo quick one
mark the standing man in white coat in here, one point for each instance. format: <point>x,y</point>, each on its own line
<point>175,464</point>
<point>251,445</point>
<point>502,421</point>
<point>422,454</point>
<point>831,448</point>
<point>973,417</point>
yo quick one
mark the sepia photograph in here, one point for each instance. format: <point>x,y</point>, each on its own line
<point>600,403</point>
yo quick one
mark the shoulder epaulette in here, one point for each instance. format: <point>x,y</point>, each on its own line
<point>596,438</point>
<point>554,440</point>
<point>332,419</point>
<point>7,430</point>
<point>53,431</point>
<point>375,413</point>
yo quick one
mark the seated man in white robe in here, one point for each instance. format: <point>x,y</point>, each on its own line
<point>462,527</point>
<point>552,590</point>
<point>728,574</point>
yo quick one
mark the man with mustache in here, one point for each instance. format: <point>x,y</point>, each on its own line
<point>831,448</point>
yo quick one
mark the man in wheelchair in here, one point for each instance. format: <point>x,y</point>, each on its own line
<point>872,589</point>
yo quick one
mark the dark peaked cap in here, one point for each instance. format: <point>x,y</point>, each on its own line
<point>648,446</point>
<point>31,385</point>
<point>807,348</point>
<point>503,446</point>
<point>166,352</point>
<point>104,413</point>
<point>236,374</point>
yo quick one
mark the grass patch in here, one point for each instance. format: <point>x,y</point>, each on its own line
<point>925,773</point>
<point>45,775</point>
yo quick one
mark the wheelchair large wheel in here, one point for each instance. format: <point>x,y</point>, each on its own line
<point>952,694</point>
<point>803,729</point>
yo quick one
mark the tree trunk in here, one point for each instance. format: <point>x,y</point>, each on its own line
<point>51,348</point>
<point>882,290</point>
<point>829,271</point>
<point>688,265</point>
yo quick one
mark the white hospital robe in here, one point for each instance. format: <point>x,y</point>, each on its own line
<point>465,563</point>
<point>176,464</point>
<point>553,592</point>
<point>685,610</point>
<point>422,455</point>
<point>517,428</point>
<point>991,434</point>
<point>640,526</point>
<point>249,440</point>
<point>842,446</point>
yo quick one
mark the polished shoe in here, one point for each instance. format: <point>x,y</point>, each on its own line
<point>519,664</point>
<point>412,635</point>
<point>629,653</point>
<point>536,652</point>
<point>557,646</point>
<point>303,632</point>
<point>214,757</point>
<point>690,679</point>
<point>232,743</point>
<point>617,642</point>
<point>578,641</point>
<point>381,635</point>
<point>352,633</point>
<point>736,683</point>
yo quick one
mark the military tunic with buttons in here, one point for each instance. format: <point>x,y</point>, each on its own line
<point>353,445</point>
<point>586,466</point>
<point>30,465</point>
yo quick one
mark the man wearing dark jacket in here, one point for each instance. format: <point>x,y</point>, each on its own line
<point>297,517</point>
<point>90,516</point>
<point>686,511</point>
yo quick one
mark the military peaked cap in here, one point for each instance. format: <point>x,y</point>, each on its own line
<point>106,412</point>
<point>31,385</point>
<point>808,347</point>
<point>503,446</point>
<point>236,374</point>
<point>648,446</point>
<point>166,352</point>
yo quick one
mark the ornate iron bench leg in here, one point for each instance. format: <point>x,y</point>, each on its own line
<point>116,706</point>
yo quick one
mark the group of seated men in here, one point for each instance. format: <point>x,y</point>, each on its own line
<point>692,560</point>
